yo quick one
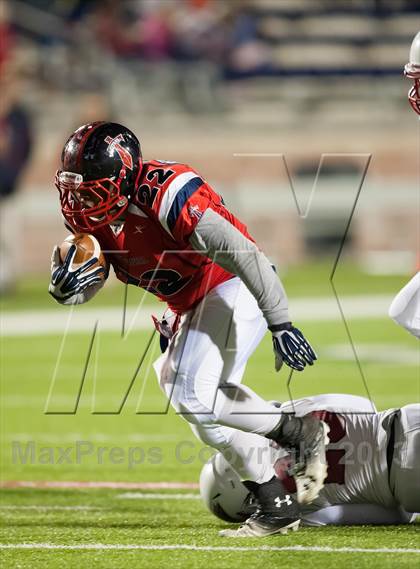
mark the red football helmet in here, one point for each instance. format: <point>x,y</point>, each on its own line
<point>412,70</point>
<point>101,165</point>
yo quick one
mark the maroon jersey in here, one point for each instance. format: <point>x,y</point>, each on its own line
<point>152,249</point>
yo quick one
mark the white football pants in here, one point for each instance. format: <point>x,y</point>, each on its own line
<point>201,373</point>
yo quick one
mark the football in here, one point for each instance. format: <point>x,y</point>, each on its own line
<point>87,246</point>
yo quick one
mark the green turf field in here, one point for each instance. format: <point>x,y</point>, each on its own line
<point>144,443</point>
<point>111,519</point>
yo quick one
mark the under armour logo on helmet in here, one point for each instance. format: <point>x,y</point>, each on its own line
<point>286,501</point>
<point>114,144</point>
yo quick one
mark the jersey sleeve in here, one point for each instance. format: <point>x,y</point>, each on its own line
<point>186,198</point>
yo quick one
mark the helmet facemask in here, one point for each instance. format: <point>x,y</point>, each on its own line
<point>88,205</point>
<point>414,96</point>
<point>413,72</point>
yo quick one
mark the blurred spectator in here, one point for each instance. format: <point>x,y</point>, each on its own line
<point>248,53</point>
<point>6,35</point>
<point>15,147</point>
<point>200,30</point>
<point>135,30</point>
<point>155,33</point>
<point>115,28</point>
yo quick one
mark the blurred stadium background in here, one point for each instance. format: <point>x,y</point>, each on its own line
<point>201,81</point>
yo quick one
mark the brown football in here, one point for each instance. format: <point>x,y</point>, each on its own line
<point>87,246</point>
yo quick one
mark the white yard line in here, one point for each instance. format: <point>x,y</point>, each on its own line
<point>373,352</point>
<point>70,485</point>
<point>187,547</point>
<point>157,496</point>
<point>83,319</point>
<point>33,507</point>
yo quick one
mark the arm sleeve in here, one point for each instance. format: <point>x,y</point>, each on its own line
<point>215,237</point>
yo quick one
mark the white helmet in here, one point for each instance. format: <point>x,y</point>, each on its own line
<point>223,493</point>
<point>412,70</point>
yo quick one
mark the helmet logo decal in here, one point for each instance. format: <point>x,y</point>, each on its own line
<point>114,144</point>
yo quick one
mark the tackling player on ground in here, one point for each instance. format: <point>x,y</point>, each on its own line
<point>373,466</point>
<point>166,230</point>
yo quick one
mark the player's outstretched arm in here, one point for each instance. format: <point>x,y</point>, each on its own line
<point>215,237</point>
<point>405,308</point>
<point>74,286</point>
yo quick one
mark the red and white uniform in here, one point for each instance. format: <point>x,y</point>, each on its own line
<point>152,249</point>
<point>224,307</point>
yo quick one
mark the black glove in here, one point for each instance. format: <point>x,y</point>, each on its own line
<point>67,281</point>
<point>290,347</point>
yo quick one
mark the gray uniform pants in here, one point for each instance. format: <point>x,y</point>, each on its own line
<point>405,470</point>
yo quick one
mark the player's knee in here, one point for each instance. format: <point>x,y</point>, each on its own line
<point>195,412</point>
<point>194,405</point>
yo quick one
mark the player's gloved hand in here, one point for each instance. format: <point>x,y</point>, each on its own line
<point>291,347</point>
<point>67,281</point>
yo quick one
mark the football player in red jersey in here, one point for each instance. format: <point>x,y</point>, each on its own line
<point>170,233</point>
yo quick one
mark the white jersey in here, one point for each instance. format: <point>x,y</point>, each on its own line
<point>356,454</point>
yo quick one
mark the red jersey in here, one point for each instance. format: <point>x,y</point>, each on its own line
<point>152,248</point>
